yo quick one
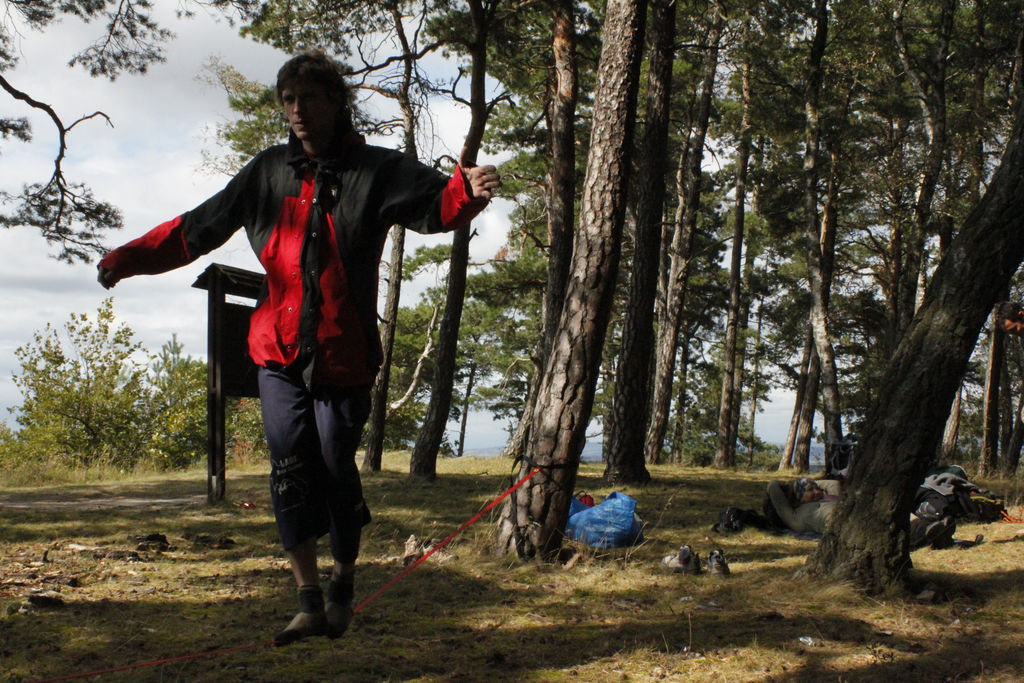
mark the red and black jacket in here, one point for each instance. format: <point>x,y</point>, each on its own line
<point>318,226</point>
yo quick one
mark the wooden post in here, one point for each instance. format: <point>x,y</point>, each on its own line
<point>230,372</point>
<point>215,442</point>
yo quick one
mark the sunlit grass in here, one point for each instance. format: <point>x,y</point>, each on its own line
<point>615,615</point>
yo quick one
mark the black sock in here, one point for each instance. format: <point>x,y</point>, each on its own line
<point>341,589</point>
<point>311,599</point>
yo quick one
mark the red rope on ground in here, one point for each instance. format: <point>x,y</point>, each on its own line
<point>155,662</point>
<point>437,546</point>
<point>383,589</point>
<point>1013,520</point>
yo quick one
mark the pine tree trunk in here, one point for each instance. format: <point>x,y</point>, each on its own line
<point>786,461</point>
<point>423,462</point>
<point>928,77</point>
<point>379,392</point>
<point>1005,409</point>
<point>533,518</point>
<point>464,417</point>
<point>682,384</point>
<point>725,452</point>
<point>993,375</point>
<point>951,432</point>
<point>631,391</point>
<point>680,250</point>
<point>516,446</point>
<point>755,391</point>
<point>867,541</point>
<point>559,199</point>
<point>805,434</point>
<point>1012,459</point>
<point>818,239</point>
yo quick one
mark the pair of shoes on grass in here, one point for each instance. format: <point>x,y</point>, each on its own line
<point>317,618</point>
<point>686,561</point>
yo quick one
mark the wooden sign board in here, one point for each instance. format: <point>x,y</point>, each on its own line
<point>230,371</point>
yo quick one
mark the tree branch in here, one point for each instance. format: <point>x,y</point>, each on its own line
<point>415,382</point>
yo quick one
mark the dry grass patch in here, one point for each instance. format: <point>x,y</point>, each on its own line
<point>615,615</point>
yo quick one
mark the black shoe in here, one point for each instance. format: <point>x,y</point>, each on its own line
<point>339,616</point>
<point>939,534</point>
<point>302,625</point>
<point>717,563</point>
<point>310,621</point>
<point>339,606</point>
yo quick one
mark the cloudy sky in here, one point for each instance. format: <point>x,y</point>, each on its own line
<point>148,163</point>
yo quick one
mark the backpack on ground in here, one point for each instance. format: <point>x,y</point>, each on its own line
<point>984,506</point>
<point>947,492</point>
<point>734,519</point>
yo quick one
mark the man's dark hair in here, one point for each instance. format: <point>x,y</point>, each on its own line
<point>316,67</point>
<point>1008,310</point>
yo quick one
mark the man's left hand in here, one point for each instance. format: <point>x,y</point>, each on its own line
<point>483,181</point>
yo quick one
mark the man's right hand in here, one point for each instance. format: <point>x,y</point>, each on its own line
<point>105,277</point>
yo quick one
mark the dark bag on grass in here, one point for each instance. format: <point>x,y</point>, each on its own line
<point>984,506</point>
<point>947,492</point>
<point>734,519</point>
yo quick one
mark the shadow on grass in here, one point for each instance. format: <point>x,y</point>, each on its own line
<point>458,620</point>
<point>430,628</point>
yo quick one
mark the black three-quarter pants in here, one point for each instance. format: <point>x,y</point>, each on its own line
<point>313,434</point>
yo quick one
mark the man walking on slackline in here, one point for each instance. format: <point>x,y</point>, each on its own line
<point>317,211</point>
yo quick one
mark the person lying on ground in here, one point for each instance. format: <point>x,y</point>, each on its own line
<point>806,505</point>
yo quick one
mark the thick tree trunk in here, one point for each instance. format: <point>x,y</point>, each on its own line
<point>1017,79</point>
<point>867,541</point>
<point>725,451</point>
<point>423,463</point>
<point>680,250</point>
<point>559,199</point>
<point>631,391</point>
<point>533,518</point>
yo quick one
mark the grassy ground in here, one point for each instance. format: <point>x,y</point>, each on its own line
<point>615,615</point>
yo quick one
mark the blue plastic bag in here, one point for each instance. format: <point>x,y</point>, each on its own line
<point>612,523</point>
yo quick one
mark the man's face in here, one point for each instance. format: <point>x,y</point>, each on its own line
<point>311,113</point>
<point>812,494</point>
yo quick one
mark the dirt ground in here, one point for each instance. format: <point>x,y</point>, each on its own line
<point>141,495</point>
